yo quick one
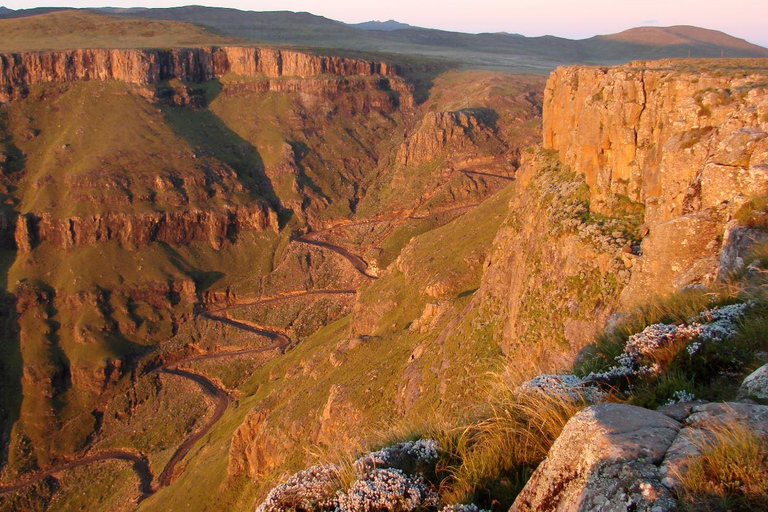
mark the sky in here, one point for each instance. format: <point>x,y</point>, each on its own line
<point>567,18</point>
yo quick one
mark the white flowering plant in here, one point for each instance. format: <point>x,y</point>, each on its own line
<point>685,356</point>
<point>388,480</point>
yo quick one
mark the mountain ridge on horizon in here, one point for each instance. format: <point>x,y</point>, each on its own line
<point>644,34</point>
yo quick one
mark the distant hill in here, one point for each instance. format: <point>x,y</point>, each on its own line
<point>489,51</point>
<point>25,13</point>
<point>409,46</point>
<point>381,25</point>
<point>83,29</point>
<point>686,36</point>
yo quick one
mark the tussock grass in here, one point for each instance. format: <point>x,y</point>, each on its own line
<point>730,474</point>
<point>489,461</point>
<point>485,460</point>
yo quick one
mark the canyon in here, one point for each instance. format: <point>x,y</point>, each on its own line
<point>224,264</point>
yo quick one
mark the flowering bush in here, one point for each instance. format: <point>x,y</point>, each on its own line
<point>389,479</point>
<point>681,397</point>
<point>386,489</point>
<point>711,326</point>
<point>411,457</point>
<point>641,355</point>
<point>568,386</point>
<point>309,489</point>
<point>462,508</point>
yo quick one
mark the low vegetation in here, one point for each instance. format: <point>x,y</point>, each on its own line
<point>488,462</point>
<point>689,365</point>
<point>730,474</point>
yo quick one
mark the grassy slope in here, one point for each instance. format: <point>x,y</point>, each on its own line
<point>93,147</point>
<point>82,29</point>
<point>370,374</point>
<point>90,141</point>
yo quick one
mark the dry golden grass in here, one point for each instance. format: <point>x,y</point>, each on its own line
<point>730,474</point>
<point>495,455</point>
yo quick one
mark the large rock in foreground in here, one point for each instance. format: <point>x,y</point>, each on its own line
<point>755,386</point>
<point>606,459</point>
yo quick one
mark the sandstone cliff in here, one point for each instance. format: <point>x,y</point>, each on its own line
<point>134,230</point>
<point>686,140</point>
<point>20,70</point>
<point>555,272</point>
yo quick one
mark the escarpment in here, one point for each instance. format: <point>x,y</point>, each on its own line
<point>135,230</point>
<point>649,181</point>
<point>688,140</point>
<point>18,71</point>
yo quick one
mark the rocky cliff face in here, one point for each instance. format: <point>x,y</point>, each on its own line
<point>135,230</point>
<point>686,140</point>
<point>442,131</point>
<point>554,273</point>
<point>20,70</point>
<point>652,131</point>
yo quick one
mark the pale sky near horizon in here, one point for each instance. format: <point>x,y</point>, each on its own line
<point>577,19</point>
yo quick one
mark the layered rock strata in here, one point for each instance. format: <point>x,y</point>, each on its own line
<point>134,230</point>
<point>18,71</point>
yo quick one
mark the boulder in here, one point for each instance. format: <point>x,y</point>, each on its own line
<point>605,459</point>
<point>755,386</point>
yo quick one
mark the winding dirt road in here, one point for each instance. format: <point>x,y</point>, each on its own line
<point>222,403</point>
<point>222,399</point>
<point>359,263</point>
<point>280,297</point>
<point>140,462</point>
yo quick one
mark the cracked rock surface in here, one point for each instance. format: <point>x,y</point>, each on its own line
<point>617,457</point>
<point>606,458</point>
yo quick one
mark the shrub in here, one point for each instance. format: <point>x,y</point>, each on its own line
<point>669,349</point>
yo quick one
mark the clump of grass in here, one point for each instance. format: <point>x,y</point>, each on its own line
<point>758,256</point>
<point>489,461</point>
<point>730,474</point>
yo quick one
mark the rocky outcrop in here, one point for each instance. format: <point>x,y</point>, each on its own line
<point>686,140</point>
<point>444,131</point>
<point>702,423</point>
<point>755,386</point>
<point>653,130</point>
<point>738,240</point>
<point>606,459</point>
<point>18,71</point>
<point>134,230</point>
<point>622,457</point>
<point>553,276</point>
<point>336,93</point>
<point>254,450</point>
